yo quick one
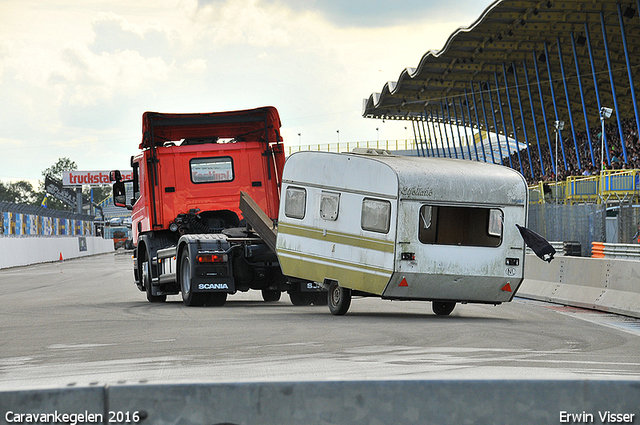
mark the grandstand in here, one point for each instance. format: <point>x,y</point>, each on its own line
<point>519,71</point>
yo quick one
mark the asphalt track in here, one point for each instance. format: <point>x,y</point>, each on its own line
<point>83,322</point>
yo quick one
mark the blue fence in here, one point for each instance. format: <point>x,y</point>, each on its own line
<point>29,220</point>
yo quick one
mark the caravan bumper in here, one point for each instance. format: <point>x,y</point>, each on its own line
<point>428,287</point>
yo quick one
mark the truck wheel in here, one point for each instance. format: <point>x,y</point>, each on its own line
<point>442,308</point>
<point>271,295</point>
<point>339,299</point>
<point>189,298</point>
<point>146,279</point>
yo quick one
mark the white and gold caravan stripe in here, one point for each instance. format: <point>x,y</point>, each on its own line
<point>364,277</point>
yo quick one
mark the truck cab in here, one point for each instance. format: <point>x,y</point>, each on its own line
<point>189,232</point>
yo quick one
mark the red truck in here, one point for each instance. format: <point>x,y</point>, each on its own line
<point>190,233</point>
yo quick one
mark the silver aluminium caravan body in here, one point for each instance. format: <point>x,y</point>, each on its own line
<point>402,228</point>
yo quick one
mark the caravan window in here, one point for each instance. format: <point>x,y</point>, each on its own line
<point>465,226</point>
<point>295,202</point>
<point>329,204</point>
<point>495,222</point>
<point>376,215</point>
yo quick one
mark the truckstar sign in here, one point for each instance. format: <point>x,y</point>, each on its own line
<point>91,178</point>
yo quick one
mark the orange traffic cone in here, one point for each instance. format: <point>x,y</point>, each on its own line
<point>61,259</point>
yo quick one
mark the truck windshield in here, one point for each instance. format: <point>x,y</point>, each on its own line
<point>466,226</point>
<point>207,170</point>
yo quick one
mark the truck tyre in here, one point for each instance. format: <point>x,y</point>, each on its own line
<point>146,279</point>
<point>339,299</point>
<point>270,295</point>
<point>189,298</point>
<point>442,308</point>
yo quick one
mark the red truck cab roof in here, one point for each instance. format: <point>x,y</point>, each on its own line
<point>260,124</point>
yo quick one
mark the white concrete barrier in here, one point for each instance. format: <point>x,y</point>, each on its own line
<point>22,251</point>
<point>339,402</point>
<point>604,284</point>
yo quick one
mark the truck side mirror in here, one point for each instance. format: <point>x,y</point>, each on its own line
<point>115,176</point>
<point>120,195</point>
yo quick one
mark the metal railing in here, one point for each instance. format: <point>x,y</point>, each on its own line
<point>622,251</point>
<point>391,145</point>
<point>608,186</point>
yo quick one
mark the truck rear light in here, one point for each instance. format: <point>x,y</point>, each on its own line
<point>212,258</point>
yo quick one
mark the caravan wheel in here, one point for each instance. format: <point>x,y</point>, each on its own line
<point>442,308</point>
<point>339,299</point>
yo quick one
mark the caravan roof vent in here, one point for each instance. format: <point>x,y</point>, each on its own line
<point>372,151</point>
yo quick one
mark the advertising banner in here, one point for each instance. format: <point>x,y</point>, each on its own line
<point>54,187</point>
<point>91,178</point>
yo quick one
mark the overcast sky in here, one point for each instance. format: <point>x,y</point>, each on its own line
<point>76,75</point>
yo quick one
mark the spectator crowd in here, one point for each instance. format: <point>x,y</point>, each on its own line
<point>587,167</point>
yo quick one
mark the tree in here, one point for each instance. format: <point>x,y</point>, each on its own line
<point>20,192</point>
<point>56,170</point>
<point>5,195</point>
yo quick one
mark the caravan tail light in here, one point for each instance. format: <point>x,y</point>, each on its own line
<point>409,256</point>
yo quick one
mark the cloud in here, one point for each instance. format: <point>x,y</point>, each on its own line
<point>385,13</point>
<point>76,79</point>
<point>195,66</point>
<point>124,72</point>
<point>244,22</point>
<point>114,33</point>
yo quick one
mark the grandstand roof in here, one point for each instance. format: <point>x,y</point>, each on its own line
<point>512,36</point>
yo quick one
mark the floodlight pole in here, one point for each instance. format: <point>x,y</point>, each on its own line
<point>604,114</point>
<point>602,141</point>
<point>556,167</point>
<point>559,125</point>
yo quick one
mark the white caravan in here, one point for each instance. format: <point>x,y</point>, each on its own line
<point>402,228</point>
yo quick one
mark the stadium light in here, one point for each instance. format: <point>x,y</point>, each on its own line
<point>605,113</point>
